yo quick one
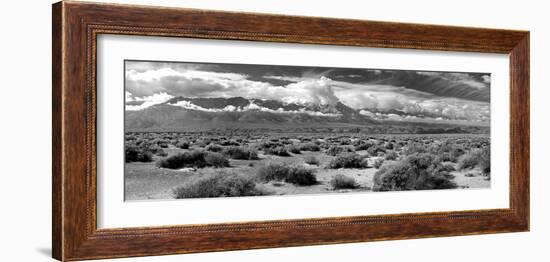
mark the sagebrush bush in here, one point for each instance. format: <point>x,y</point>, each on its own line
<point>292,174</point>
<point>311,160</point>
<point>362,145</point>
<point>416,172</point>
<point>293,149</point>
<point>214,148</point>
<point>202,143</point>
<point>277,151</point>
<point>485,160</point>
<point>301,176</point>
<point>220,185</point>
<point>348,160</point>
<point>182,144</point>
<point>137,154</point>
<point>269,144</point>
<point>161,152</point>
<point>477,157</point>
<point>446,168</point>
<point>447,157</point>
<point>391,155</point>
<point>230,143</point>
<point>376,150</point>
<point>273,171</point>
<point>343,182</point>
<point>378,163</point>
<point>414,148</point>
<point>242,153</point>
<point>468,161</point>
<point>313,147</point>
<point>195,158</point>
<point>153,148</point>
<point>161,143</point>
<point>216,160</point>
<point>457,151</point>
<point>336,150</point>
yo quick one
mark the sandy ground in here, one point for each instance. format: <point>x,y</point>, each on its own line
<point>146,181</point>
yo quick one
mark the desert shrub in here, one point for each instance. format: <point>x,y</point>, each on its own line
<point>277,151</point>
<point>456,152</point>
<point>293,149</point>
<point>336,150</point>
<point>345,141</point>
<point>273,171</point>
<point>214,148</point>
<point>348,160</point>
<point>361,145</point>
<point>378,163</point>
<point>270,144</point>
<point>162,143</point>
<point>391,155</point>
<point>136,154</point>
<point>311,160</point>
<point>153,148</point>
<point>193,158</point>
<point>161,152</point>
<point>413,148</point>
<point>220,185</point>
<point>292,174</point>
<point>485,160</point>
<point>445,168</point>
<point>301,176</point>
<point>242,153</point>
<point>216,160</point>
<point>343,182</point>
<point>202,143</point>
<point>313,147</point>
<point>447,157</point>
<point>229,143</point>
<point>182,144</point>
<point>416,172</point>
<point>478,157</point>
<point>468,160</point>
<point>376,150</point>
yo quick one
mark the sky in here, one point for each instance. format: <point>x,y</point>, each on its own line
<point>379,93</point>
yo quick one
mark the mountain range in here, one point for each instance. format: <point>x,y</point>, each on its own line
<point>191,113</point>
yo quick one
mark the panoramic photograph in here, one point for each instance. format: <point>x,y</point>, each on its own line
<point>204,130</point>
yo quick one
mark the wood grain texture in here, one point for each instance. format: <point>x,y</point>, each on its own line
<point>75,29</point>
<point>57,198</point>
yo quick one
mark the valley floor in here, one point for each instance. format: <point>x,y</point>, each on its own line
<point>146,181</point>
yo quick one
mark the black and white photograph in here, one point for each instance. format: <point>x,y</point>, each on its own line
<point>202,130</point>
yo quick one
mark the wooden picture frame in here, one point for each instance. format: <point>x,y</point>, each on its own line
<point>76,26</point>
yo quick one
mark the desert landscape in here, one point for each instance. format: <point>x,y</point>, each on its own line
<point>290,164</point>
<point>208,133</point>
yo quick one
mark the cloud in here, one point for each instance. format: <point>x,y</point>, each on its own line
<point>148,101</point>
<point>459,85</point>
<point>414,94</point>
<point>128,96</point>
<point>192,83</point>
<point>251,107</point>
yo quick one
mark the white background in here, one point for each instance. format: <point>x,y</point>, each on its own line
<point>114,212</point>
<point>25,60</point>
